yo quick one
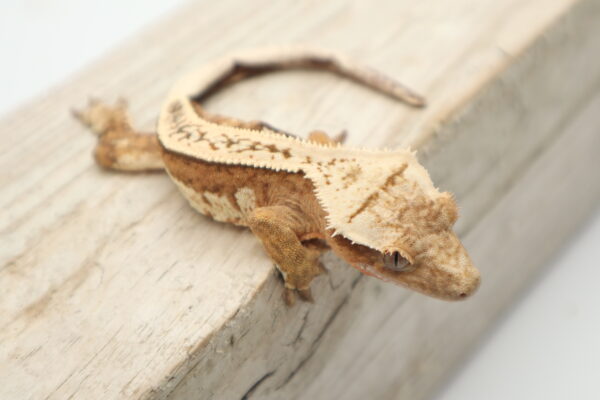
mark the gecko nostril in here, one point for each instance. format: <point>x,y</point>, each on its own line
<point>462,295</point>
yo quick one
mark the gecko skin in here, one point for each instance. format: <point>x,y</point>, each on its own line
<point>376,209</point>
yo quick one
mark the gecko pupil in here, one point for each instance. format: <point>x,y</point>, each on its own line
<point>395,261</point>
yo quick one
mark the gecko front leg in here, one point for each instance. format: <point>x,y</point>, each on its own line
<point>277,227</point>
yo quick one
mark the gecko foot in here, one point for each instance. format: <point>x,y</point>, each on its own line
<point>289,296</point>
<point>100,117</point>
<point>290,293</point>
<point>119,146</point>
<point>324,139</point>
<point>341,137</point>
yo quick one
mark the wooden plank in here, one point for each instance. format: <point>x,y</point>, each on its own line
<point>113,287</point>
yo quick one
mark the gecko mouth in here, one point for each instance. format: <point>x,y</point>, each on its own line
<point>421,279</point>
<point>384,273</point>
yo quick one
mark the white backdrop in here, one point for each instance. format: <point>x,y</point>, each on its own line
<point>547,346</point>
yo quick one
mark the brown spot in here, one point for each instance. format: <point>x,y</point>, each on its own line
<point>375,195</point>
<point>228,141</point>
<point>201,135</point>
<point>390,180</point>
<point>232,199</point>
<point>274,149</point>
<point>351,176</point>
<point>286,153</point>
<point>175,106</point>
<point>253,146</point>
<point>364,205</point>
<point>204,199</point>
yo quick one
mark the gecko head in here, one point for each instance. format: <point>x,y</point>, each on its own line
<point>419,251</point>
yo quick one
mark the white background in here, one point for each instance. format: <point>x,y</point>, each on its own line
<point>547,346</point>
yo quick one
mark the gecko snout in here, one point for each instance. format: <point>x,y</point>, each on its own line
<point>465,285</point>
<point>445,269</point>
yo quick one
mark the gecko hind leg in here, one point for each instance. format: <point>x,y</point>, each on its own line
<point>119,146</point>
<point>323,138</point>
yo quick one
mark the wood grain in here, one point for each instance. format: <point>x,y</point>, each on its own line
<point>112,287</point>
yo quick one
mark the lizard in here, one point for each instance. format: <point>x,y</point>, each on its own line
<point>378,210</point>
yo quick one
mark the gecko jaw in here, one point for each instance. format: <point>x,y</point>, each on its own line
<point>435,282</point>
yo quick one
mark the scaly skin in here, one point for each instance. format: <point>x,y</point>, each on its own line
<point>378,210</point>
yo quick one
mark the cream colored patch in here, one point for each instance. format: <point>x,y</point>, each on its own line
<point>211,204</point>
<point>246,200</point>
<point>195,199</point>
<point>139,161</point>
<point>221,209</point>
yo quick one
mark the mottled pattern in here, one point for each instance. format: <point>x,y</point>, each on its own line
<point>382,201</point>
<point>377,209</point>
<point>245,189</point>
<point>245,199</point>
<point>364,210</point>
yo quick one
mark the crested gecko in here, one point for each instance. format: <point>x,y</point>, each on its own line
<point>376,209</point>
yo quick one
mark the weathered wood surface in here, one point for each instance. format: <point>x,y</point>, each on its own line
<point>112,287</point>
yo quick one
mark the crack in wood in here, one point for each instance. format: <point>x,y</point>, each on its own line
<point>301,330</point>
<point>87,364</point>
<point>315,344</point>
<point>249,392</point>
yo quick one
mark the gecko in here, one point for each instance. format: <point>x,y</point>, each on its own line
<point>378,210</point>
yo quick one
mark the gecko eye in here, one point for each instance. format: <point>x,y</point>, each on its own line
<point>396,262</point>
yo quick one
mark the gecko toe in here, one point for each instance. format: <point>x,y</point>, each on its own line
<point>341,137</point>
<point>306,295</point>
<point>322,269</point>
<point>289,297</point>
